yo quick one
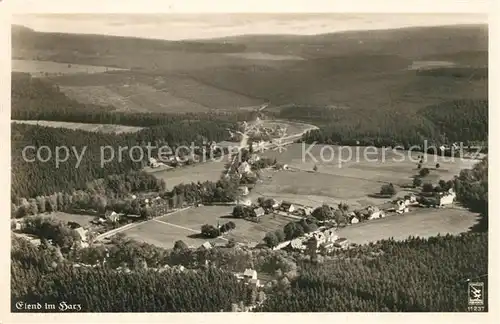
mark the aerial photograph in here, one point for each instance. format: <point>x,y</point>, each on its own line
<point>330,162</point>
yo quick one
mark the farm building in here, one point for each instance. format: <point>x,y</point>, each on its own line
<point>354,220</point>
<point>287,207</point>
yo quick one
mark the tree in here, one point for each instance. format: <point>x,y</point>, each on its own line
<point>322,213</point>
<point>180,246</point>
<point>280,235</point>
<point>231,243</point>
<point>424,172</point>
<point>271,240</point>
<point>315,168</point>
<point>210,231</point>
<point>344,207</point>
<point>388,190</point>
<point>290,230</point>
<point>427,187</point>
<point>438,165</point>
<point>419,166</point>
<point>417,182</point>
<point>238,211</point>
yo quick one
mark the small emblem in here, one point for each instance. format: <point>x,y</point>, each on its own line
<point>476,293</point>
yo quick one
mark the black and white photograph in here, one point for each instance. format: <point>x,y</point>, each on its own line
<point>249,162</point>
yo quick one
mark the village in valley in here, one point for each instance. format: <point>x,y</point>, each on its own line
<point>336,172</point>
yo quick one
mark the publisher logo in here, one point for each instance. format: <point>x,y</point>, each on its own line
<point>476,293</point>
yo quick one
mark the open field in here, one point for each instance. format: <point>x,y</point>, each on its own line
<point>45,68</point>
<point>212,170</point>
<point>153,92</point>
<point>354,179</point>
<point>422,222</point>
<point>186,225</point>
<point>83,220</point>
<point>206,171</point>
<point>101,128</point>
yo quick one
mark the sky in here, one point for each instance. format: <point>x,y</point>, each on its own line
<point>203,26</point>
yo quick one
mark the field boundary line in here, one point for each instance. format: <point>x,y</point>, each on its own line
<point>129,226</point>
<point>178,226</point>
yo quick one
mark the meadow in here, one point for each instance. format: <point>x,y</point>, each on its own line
<point>100,128</point>
<point>46,68</point>
<point>186,226</point>
<point>349,174</point>
<point>421,222</point>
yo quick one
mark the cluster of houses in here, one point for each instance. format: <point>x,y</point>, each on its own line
<point>18,227</point>
<point>324,238</point>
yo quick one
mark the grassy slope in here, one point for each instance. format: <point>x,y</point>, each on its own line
<point>363,70</point>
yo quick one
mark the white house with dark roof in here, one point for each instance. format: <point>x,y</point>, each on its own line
<point>250,274</point>
<point>287,206</point>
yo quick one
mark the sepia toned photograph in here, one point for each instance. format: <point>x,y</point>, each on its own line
<point>249,162</point>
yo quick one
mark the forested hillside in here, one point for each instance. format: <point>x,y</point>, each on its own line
<point>38,275</point>
<point>418,275</point>
<point>451,121</point>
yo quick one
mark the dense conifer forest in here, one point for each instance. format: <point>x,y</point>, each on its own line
<point>451,121</point>
<point>418,275</point>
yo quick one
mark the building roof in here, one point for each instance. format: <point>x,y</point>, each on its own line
<point>207,245</point>
<point>259,211</point>
<point>249,273</point>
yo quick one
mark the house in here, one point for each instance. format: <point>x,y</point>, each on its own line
<point>401,206</point>
<point>287,207</point>
<point>243,190</point>
<point>330,235</point>
<point>354,220</point>
<point>112,216</point>
<point>276,204</point>
<point>374,212</point>
<point>206,246</point>
<point>341,243</point>
<point>411,199</point>
<point>250,274</point>
<point>259,212</point>
<point>17,225</point>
